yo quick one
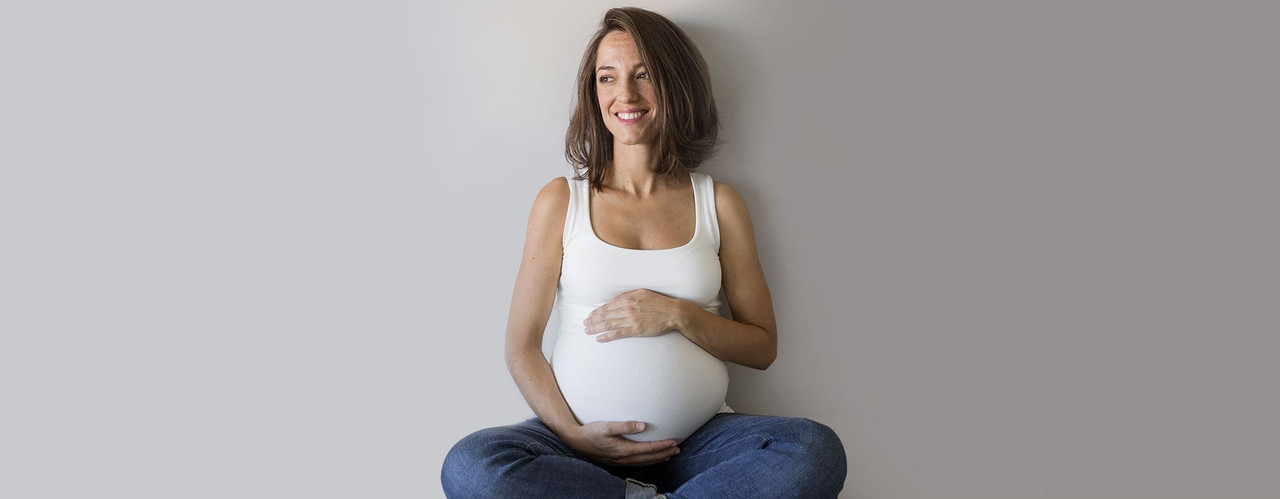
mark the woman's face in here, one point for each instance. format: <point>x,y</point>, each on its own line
<point>628,102</point>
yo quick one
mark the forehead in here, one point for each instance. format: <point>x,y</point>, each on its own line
<point>617,49</point>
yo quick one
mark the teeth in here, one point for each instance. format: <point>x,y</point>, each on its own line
<point>629,116</point>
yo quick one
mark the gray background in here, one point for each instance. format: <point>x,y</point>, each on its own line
<point>265,249</point>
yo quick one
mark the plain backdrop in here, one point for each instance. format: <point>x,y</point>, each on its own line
<point>265,249</point>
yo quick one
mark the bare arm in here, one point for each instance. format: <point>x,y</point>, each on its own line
<point>531,305</point>
<point>749,339</point>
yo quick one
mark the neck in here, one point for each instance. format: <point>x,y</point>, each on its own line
<point>633,170</point>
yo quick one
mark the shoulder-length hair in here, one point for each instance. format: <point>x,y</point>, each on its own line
<point>688,124</point>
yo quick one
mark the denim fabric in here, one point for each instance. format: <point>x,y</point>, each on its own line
<point>733,455</point>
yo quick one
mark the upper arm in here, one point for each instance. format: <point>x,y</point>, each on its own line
<point>535,289</point>
<point>743,278</point>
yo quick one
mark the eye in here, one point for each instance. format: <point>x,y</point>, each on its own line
<point>643,75</point>
<point>606,79</point>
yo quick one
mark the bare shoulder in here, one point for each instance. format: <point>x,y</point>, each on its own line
<point>731,209</point>
<point>546,220</point>
<point>552,200</point>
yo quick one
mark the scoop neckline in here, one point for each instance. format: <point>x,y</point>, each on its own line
<point>697,222</point>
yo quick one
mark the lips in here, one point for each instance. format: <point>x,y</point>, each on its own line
<point>630,115</point>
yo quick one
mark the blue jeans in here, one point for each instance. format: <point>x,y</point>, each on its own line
<point>733,455</point>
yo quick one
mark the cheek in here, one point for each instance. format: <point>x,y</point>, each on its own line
<point>602,102</point>
<point>652,98</point>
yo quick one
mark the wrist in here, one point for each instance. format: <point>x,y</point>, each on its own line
<point>680,316</point>
<point>568,432</point>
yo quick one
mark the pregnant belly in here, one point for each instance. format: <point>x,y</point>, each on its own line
<point>667,381</point>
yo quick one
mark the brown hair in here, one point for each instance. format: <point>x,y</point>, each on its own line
<point>688,124</point>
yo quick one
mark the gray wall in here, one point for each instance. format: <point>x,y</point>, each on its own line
<point>265,249</point>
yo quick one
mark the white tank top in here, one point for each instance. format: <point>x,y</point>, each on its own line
<point>666,381</point>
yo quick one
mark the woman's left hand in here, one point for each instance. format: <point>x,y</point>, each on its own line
<point>634,313</point>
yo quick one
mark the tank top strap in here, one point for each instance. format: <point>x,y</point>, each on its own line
<point>706,195</point>
<point>578,217</point>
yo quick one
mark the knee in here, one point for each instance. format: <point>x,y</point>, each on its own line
<point>467,466</point>
<point>821,440</point>
<point>821,456</point>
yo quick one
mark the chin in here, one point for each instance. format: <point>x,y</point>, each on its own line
<point>633,140</point>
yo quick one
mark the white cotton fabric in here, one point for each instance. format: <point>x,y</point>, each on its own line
<point>666,381</point>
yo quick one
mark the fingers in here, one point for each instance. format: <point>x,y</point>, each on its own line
<point>627,315</point>
<point>596,325</point>
<point>601,324</point>
<point>623,427</point>
<point>642,453</point>
<point>602,315</point>
<point>608,307</point>
<point>657,447</point>
<point>614,448</point>
<point>629,453</point>
<point>615,335</point>
<point>629,447</point>
<point>618,306</point>
<point>648,458</point>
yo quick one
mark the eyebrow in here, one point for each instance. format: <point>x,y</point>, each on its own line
<point>602,68</point>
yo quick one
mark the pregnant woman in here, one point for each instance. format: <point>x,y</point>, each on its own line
<point>633,252</point>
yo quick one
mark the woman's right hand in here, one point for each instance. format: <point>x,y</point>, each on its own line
<point>603,441</point>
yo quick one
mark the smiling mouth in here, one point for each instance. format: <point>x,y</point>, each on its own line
<point>632,116</point>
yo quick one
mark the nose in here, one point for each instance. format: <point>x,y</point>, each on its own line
<point>630,90</point>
